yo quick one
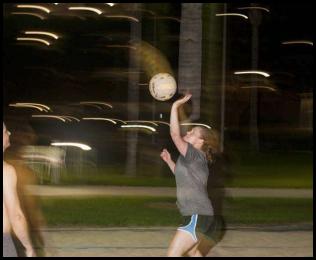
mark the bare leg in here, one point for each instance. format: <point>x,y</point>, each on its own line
<point>194,251</point>
<point>180,244</point>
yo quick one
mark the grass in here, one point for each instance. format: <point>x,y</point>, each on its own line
<point>111,178</point>
<point>261,170</point>
<point>150,211</point>
<point>272,170</point>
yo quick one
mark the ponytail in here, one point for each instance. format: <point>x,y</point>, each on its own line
<point>211,143</point>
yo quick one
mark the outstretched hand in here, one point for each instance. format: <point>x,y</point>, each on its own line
<point>183,100</point>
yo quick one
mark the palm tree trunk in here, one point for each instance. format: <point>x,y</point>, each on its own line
<point>133,98</point>
<point>255,20</point>
<point>214,65</point>
<point>190,55</point>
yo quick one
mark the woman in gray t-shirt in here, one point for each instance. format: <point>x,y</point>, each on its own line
<point>191,171</point>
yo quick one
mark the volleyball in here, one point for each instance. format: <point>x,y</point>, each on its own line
<point>162,86</point>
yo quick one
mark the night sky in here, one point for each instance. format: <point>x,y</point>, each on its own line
<point>79,67</point>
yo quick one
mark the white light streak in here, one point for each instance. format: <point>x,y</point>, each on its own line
<point>123,16</point>
<point>33,39</point>
<point>265,74</point>
<point>71,117</point>
<point>28,106</point>
<point>197,124</point>
<point>99,118</point>
<point>254,7</point>
<point>79,145</point>
<point>299,42</point>
<point>263,87</point>
<point>32,14</point>
<point>42,33</point>
<point>141,121</point>
<point>35,104</point>
<point>163,122</point>
<point>139,126</point>
<point>86,9</point>
<point>96,103</point>
<point>233,14</point>
<point>46,116</point>
<point>35,7</point>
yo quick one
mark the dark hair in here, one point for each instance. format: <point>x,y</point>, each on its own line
<point>211,145</point>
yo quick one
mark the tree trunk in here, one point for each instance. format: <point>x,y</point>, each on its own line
<point>255,20</point>
<point>133,97</point>
<point>213,64</point>
<point>190,55</point>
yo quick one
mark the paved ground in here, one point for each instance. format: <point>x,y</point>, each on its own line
<point>238,241</point>
<point>44,190</point>
<point>265,241</point>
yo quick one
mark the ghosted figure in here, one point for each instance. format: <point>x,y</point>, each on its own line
<point>13,217</point>
<point>30,206</point>
<point>201,227</point>
<point>23,137</point>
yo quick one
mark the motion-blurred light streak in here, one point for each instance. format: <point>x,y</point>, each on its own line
<point>27,13</point>
<point>298,42</point>
<point>100,118</point>
<point>197,124</point>
<point>55,36</point>
<point>83,8</point>
<point>79,145</point>
<point>265,74</point>
<point>33,39</point>
<point>139,126</point>
<point>233,14</point>
<point>50,116</point>
<point>35,7</point>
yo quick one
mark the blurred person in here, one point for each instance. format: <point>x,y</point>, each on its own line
<point>30,206</point>
<point>13,217</point>
<point>197,151</point>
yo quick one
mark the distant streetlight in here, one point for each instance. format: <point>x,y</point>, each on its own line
<point>27,13</point>
<point>124,17</point>
<point>79,145</point>
<point>35,7</point>
<point>100,119</point>
<point>298,42</point>
<point>110,4</point>
<point>95,103</point>
<point>142,121</point>
<point>233,14</point>
<point>33,39</point>
<point>61,118</point>
<point>265,74</point>
<point>254,8</point>
<point>55,36</point>
<point>259,87</point>
<point>35,104</point>
<point>197,124</point>
<point>83,8</point>
<point>140,126</point>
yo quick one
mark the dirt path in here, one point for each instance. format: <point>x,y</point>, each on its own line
<point>154,242</point>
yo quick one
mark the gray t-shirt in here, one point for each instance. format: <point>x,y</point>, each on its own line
<point>191,174</point>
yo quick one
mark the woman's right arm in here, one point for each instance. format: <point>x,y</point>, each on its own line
<point>176,137</point>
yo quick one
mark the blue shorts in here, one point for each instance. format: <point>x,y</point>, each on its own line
<point>210,227</point>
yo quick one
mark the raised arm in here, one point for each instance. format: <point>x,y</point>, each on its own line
<point>16,216</point>
<point>175,133</point>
